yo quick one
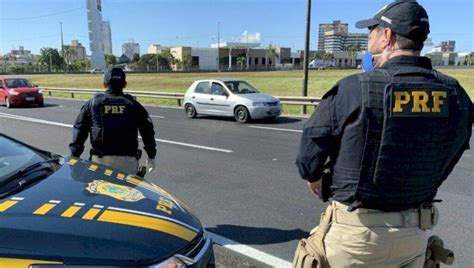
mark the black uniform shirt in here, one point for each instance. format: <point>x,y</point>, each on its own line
<point>84,124</point>
<point>334,132</point>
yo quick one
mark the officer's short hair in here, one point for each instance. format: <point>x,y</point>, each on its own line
<point>407,44</point>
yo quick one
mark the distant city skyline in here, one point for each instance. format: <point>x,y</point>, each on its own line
<point>194,22</point>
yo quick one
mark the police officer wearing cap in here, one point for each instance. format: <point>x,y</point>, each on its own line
<point>378,147</point>
<point>113,119</point>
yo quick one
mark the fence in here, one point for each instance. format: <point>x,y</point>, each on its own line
<point>179,97</point>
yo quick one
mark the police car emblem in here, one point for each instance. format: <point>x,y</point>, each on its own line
<point>113,190</point>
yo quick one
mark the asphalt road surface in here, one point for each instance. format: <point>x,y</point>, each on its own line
<point>240,179</point>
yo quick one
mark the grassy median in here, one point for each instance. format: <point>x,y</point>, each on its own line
<point>278,83</point>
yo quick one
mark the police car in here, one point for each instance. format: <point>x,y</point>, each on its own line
<point>67,212</point>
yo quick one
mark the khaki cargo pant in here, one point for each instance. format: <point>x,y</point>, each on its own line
<point>367,238</point>
<point>128,164</point>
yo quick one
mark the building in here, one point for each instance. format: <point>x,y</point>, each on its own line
<point>445,46</point>
<point>357,40</point>
<point>106,38</point>
<point>155,49</point>
<point>94,17</point>
<point>335,37</point>
<point>78,51</point>
<point>335,26</point>
<point>19,56</point>
<point>130,48</point>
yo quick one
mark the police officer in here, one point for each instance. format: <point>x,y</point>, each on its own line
<point>112,119</point>
<point>379,145</point>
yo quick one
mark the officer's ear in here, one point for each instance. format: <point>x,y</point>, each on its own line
<point>125,84</point>
<point>105,85</point>
<point>387,37</point>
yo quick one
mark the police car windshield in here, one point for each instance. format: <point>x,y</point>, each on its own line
<point>240,87</point>
<point>15,157</point>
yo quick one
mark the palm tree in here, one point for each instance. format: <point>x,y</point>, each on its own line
<point>69,54</point>
<point>187,60</point>
<point>271,55</point>
<point>241,60</point>
<point>327,57</point>
<point>352,54</point>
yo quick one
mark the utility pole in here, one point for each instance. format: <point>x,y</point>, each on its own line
<point>218,47</point>
<point>248,52</point>
<point>304,91</point>
<point>50,62</point>
<point>62,45</point>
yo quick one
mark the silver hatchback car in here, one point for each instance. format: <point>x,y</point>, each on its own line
<point>230,97</point>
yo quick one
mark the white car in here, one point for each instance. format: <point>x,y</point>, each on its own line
<point>96,71</point>
<point>232,98</point>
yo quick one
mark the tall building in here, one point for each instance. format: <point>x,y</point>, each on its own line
<point>130,48</point>
<point>445,46</point>
<point>155,49</point>
<point>335,37</point>
<point>94,17</point>
<point>79,51</point>
<point>335,26</point>
<point>106,38</point>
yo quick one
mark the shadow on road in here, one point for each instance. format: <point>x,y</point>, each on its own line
<point>256,235</point>
<point>279,120</point>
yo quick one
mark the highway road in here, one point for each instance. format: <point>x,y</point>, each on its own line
<point>240,179</point>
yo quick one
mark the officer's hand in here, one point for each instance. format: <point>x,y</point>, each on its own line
<point>151,164</point>
<point>315,187</point>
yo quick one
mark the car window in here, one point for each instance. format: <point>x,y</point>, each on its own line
<point>241,87</point>
<point>203,87</point>
<point>217,89</point>
<point>1,83</point>
<point>14,83</point>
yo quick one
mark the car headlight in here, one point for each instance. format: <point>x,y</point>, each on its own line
<point>258,104</point>
<point>40,91</point>
<point>13,92</point>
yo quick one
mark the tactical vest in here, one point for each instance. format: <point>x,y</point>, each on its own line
<point>114,128</point>
<point>410,119</point>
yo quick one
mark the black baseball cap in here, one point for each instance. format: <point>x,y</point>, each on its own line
<point>115,73</point>
<point>404,17</point>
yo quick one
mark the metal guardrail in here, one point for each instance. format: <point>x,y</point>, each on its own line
<point>179,97</point>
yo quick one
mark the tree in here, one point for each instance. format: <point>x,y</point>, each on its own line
<point>241,60</point>
<point>135,58</point>
<point>318,55</point>
<point>168,57</point>
<point>187,60</point>
<point>271,54</point>
<point>81,65</point>
<point>110,60</point>
<point>69,54</point>
<point>50,57</point>
<point>327,57</point>
<point>352,54</point>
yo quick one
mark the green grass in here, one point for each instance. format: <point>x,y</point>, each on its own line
<point>278,83</point>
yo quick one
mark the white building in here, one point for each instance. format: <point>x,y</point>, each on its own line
<point>205,58</point>
<point>131,48</point>
<point>94,17</point>
<point>107,38</point>
<point>155,49</point>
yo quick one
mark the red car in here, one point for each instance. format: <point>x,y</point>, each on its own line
<point>18,92</point>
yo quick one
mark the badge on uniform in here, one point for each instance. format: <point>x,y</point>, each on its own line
<point>417,100</point>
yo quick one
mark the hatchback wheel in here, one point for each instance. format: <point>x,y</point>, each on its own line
<point>190,111</point>
<point>241,114</point>
<point>7,103</point>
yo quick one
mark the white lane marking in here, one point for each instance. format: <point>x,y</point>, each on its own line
<point>34,120</point>
<point>79,204</point>
<point>249,251</point>
<point>98,206</point>
<point>278,129</point>
<point>157,116</point>
<point>54,201</point>
<point>17,198</point>
<point>195,146</point>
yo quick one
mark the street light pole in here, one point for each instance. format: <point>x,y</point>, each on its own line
<point>62,45</point>
<point>304,91</point>
<point>218,47</point>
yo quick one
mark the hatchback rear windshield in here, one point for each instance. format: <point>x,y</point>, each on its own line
<point>14,83</point>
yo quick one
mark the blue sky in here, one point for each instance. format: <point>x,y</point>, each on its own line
<point>35,23</point>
